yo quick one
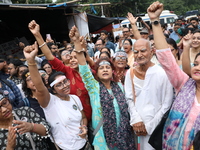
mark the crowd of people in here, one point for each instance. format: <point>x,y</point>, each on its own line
<point>113,93</point>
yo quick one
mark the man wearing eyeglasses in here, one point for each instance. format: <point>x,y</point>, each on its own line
<point>126,35</point>
<point>100,43</point>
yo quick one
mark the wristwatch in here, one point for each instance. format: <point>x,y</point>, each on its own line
<point>156,22</point>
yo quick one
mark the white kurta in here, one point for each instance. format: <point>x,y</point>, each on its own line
<point>154,97</point>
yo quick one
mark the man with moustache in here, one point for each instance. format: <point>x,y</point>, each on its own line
<point>148,92</point>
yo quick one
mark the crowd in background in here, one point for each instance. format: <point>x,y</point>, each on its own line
<point>121,88</point>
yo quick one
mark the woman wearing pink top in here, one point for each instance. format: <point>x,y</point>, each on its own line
<point>184,118</point>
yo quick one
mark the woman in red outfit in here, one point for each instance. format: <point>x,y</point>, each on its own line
<point>71,72</point>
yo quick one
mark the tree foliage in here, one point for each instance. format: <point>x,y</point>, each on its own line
<point>121,7</point>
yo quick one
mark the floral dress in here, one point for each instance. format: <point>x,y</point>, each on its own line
<point>22,141</point>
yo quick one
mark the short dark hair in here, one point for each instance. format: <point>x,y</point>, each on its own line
<point>15,62</point>
<point>104,31</point>
<point>190,24</point>
<point>49,44</point>
<point>177,24</point>
<point>194,18</point>
<point>126,28</point>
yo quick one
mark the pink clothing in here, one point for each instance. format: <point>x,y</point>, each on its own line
<point>177,78</point>
<point>195,110</point>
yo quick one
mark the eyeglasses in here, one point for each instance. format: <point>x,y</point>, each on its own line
<point>122,58</point>
<point>65,82</point>
<point>142,33</point>
<point>98,45</point>
<point>126,44</point>
<point>65,53</point>
<point>125,31</point>
<point>4,103</point>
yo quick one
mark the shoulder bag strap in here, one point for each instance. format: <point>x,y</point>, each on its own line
<point>133,88</point>
<point>28,133</point>
<point>99,124</point>
<point>57,148</point>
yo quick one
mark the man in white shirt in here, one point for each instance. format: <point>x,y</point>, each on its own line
<point>99,45</point>
<point>152,95</point>
<point>126,34</point>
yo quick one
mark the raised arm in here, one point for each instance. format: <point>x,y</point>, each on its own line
<point>133,21</point>
<point>43,95</point>
<point>187,40</point>
<point>176,76</point>
<point>75,37</point>
<point>35,29</point>
<point>154,11</point>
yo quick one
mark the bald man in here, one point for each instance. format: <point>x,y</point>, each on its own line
<point>148,91</point>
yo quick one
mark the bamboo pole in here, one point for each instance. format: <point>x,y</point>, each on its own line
<point>94,4</point>
<point>69,2</point>
<point>28,7</point>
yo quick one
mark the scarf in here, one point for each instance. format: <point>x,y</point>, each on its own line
<point>173,133</point>
<point>122,136</point>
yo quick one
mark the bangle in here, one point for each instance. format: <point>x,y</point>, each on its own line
<point>32,64</point>
<point>33,126</point>
<point>84,126</point>
<point>79,51</point>
<point>42,45</point>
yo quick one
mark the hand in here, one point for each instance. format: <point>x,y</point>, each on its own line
<point>23,126</point>
<point>140,129</point>
<point>34,27</point>
<point>141,133</point>
<point>83,42</point>
<point>187,40</point>
<point>83,133</point>
<point>154,10</point>
<point>11,138</point>
<point>49,40</point>
<point>31,51</point>
<point>21,45</point>
<point>131,18</point>
<point>74,34</point>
